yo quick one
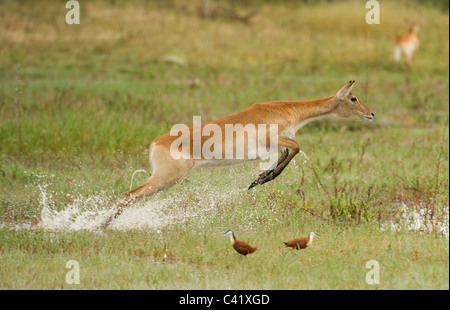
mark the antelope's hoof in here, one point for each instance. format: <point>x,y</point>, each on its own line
<point>263,178</point>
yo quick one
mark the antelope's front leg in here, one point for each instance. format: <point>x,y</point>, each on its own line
<point>263,176</point>
<point>277,171</point>
<point>282,162</point>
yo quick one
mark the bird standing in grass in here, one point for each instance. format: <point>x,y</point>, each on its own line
<point>301,243</point>
<point>240,246</point>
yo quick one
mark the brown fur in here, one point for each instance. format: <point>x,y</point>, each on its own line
<point>287,114</point>
<point>407,44</point>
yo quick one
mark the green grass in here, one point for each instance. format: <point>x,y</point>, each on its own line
<point>181,260</point>
<point>79,104</point>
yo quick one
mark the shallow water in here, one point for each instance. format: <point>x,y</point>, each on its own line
<point>156,212</point>
<point>421,219</point>
<point>203,204</point>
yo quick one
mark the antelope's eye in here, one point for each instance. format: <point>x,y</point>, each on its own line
<point>354,99</point>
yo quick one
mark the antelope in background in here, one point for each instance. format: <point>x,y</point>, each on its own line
<point>407,43</point>
<point>290,116</point>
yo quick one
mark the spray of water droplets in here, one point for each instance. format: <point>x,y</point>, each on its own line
<point>421,219</point>
<point>195,201</point>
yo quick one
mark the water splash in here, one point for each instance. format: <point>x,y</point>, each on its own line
<point>421,219</point>
<point>193,201</point>
<point>306,158</point>
<point>85,213</point>
<point>132,176</point>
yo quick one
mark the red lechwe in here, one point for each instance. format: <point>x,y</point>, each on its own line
<point>406,44</point>
<point>288,116</point>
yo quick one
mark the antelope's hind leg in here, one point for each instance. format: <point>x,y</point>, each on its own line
<point>166,173</point>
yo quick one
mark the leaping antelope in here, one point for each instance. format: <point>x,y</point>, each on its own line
<point>407,43</point>
<point>289,116</point>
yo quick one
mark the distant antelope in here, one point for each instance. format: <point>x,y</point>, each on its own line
<point>407,43</point>
<point>289,116</point>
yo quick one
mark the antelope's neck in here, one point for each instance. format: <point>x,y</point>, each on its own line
<point>306,111</point>
<point>412,31</point>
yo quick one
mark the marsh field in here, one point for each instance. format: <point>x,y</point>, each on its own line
<point>81,103</point>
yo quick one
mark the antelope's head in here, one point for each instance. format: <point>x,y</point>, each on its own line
<point>414,26</point>
<point>350,106</point>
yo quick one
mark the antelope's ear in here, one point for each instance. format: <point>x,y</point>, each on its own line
<point>345,90</point>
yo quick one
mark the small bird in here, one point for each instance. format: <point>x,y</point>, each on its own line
<point>240,246</point>
<point>301,243</point>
